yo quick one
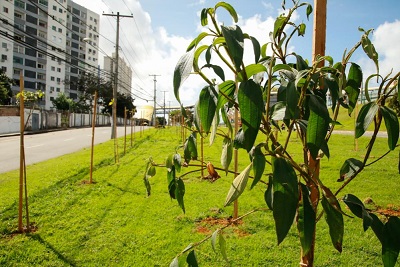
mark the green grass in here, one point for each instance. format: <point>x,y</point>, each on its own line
<point>113,223</point>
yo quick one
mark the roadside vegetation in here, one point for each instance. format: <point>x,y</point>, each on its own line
<point>113,223</point>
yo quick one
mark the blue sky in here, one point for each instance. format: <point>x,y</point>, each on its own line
<point>154,40</point>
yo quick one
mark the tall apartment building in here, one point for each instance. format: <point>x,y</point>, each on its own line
<point>124,73</point>
<point>44,39</point>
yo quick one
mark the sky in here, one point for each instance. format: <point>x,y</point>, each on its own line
<point>158,34</point>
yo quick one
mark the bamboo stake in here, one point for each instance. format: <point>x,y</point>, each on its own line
<point>236,160</point>
<point>21,151</point>
<point>93,129</point>
<point>125,111</point>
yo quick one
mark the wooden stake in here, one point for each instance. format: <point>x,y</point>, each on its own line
<point>93,129</point>
<point>125,111</point>
<point>21,151</point>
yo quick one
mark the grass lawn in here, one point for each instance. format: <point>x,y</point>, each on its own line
<point>113,223</point>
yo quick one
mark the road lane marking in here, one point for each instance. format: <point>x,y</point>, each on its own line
<point>34,146</point>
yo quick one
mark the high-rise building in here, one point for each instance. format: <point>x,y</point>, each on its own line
<point>44,39</point>
<point>124,73</point>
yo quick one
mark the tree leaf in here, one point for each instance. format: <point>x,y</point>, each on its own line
<point>309,10</point>
<point>292,99</point>
<point>222,247</point>
<point>229,8</point>
<point>226,92</point>
<point>358,209</point>
<point>180,192</point>
<point>147,185</point>
<point>306,220</point>
<point>151,171</point>
<point>207,108</point>
<point>365,117</point>
<point>349,168</point>
<point>203,16</point>
<point>335,222</point>
<point>191,259</point>
<point>377,227</point>
<point>333,87</point>
<point>190,148</point>
<point>392,126</point>
<point>279,25</point>
<point>391,242</point>
<point>354,80</point>
<point>177,160</point>
<point>182,71</point>
<point>251,108</point>
<point>285,196</point>
<point>235,43</point>
<point>214,128</point>
<point>196,57</point>
<point>317,126</point>
<point>214,239</point>
<point>369,49</point>
<point>251,70</point>
<point>277,111</point>
<point>217,69</point>
<point>238,186</point>
<point>256,49</point>
<point>196,41</point>
<point>227,153</point>
<point>174,263</point>
<point>258,165</point>
<point>269,194</point>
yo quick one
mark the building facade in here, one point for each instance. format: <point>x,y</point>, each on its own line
<point>124,73</point>
<point>43,40</point>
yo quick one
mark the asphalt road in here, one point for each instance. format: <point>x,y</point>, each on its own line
<point>44,146</point>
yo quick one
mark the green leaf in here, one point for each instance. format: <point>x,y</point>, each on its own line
<point>334,218</point>
<point>214,239</point>
<point>366,87</point>
<point>217,69</point>
<point>251,70</point>
<point>229,8</point>
<point>268,195</point>
<point>147,185</point>
<point>365,117</point>
<point>151,171</point>
<point>333,87</point>
<point>392,126</point>
<point>258,165</point>
<point>391,242</point>
<point>279,25</point>
<point>358,209</point>
<point>317,126</point>
<point>256,49</point>
<point>214,128</point>
<point>309,10</point>
<point>180,192</point>
<point>238,185</point>
<point>306,220</point>
<point>251,108</point>
<point>301,64</point>
<point>302,29</point>
<point>292,99</point>
<point>182,71</point>
<point>226,91</point>
<point>349,168</point>
<point>285,196</point>
<point>196,41</point>
<point>177,160</point>
<point>369,50</point>
<point>227,153</point>
<point>279,67</point>
<point>174,263</point>
<point>222,247</point>
<point>354,80</point>
<point>191,259</point>
<point>235,44</point>
<point>277,111</point>
<point>377,227</point>
<point>203,16</point>
<point>207,108</point>
<point>196,57</point>
<point>190,148</point>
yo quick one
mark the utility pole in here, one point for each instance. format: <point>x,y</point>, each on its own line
<point>164,106</point>
<point>114,108</point>
<point>155,93</point>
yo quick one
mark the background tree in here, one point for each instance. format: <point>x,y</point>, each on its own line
<point>123,101</point>
<point>5,89</point>
<point>63,103</point>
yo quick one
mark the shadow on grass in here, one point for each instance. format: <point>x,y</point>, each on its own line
<point>60,256</point>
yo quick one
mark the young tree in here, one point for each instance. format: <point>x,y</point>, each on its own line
<point>295,192</point>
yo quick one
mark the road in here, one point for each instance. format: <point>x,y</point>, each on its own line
<point>44,146</point>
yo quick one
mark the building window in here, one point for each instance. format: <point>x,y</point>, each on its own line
<point>3,58</point>
<point>4,45</point>
<point>58,89</point>
<point>52,78</point>
<point>4,69</point>
<point>43,2</point>
<point>18,60</point>
<point>60,10</point>
<point>54,28</point>
<point>58,80</point>
<point>51,89</point>
<point>5,9</point>
<point>59,30</point>
<point>40,66</point>
<point>51,98</point>
<point>42,24</point>
<point>53,68</point>
<point>58,69</point>
<point>95,21</point>
<point>17,71</point>
<point>55,8</point>
<point>41,76</point>
<point>19,3</point>
<point>18,15</point>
